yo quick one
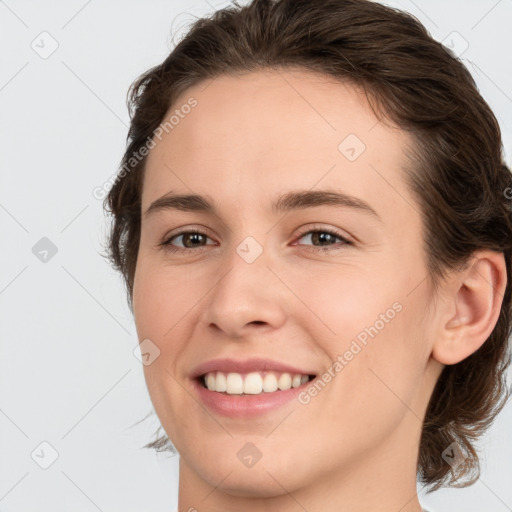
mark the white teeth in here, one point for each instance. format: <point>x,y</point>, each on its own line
<point>269,383</point>
<point>210,381</point>
<point>285,381</point>
<point>253,383</point>
<point>296,381</point>
<point>234,384</point>
<point>220,383</point>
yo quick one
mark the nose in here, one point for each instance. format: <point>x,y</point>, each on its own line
<point>248,295</point>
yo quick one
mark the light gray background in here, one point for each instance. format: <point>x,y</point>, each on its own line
<point>68,375</point>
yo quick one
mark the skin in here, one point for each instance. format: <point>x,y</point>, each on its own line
<point>354,446</point>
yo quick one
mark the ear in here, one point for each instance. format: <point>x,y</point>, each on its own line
<point>473,299</point>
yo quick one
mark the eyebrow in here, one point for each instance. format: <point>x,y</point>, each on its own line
<point>290,201</point>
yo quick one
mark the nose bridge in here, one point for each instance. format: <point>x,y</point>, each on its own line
<point>247,291</point>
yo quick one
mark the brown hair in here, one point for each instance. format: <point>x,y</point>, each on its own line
<point>458,177</point>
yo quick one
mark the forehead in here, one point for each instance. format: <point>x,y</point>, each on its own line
<point>262,133</point>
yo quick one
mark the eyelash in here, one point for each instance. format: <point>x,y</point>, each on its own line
<point>166,244</point>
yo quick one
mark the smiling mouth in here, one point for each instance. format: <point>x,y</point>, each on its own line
<point>252,383</point>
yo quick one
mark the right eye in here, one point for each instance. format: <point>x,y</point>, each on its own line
<point>190,236</point>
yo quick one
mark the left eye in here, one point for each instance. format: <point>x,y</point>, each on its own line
<point>325,236</point>
<point>322,236</point>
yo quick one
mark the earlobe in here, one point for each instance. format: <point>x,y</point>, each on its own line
<point>474,303</point>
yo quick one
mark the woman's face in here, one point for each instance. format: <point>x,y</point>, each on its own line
<point>268,288</point>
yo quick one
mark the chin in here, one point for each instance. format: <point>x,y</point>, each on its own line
<point>251,483</point>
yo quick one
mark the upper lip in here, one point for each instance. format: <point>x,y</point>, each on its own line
<point>226,365</point>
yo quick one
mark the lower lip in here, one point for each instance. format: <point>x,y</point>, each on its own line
<point>246,406</point>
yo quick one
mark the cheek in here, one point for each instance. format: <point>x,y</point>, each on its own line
<point>375,389</point>
<point>371,325</point>
<point>161,298</point>
<point>348,303</point>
